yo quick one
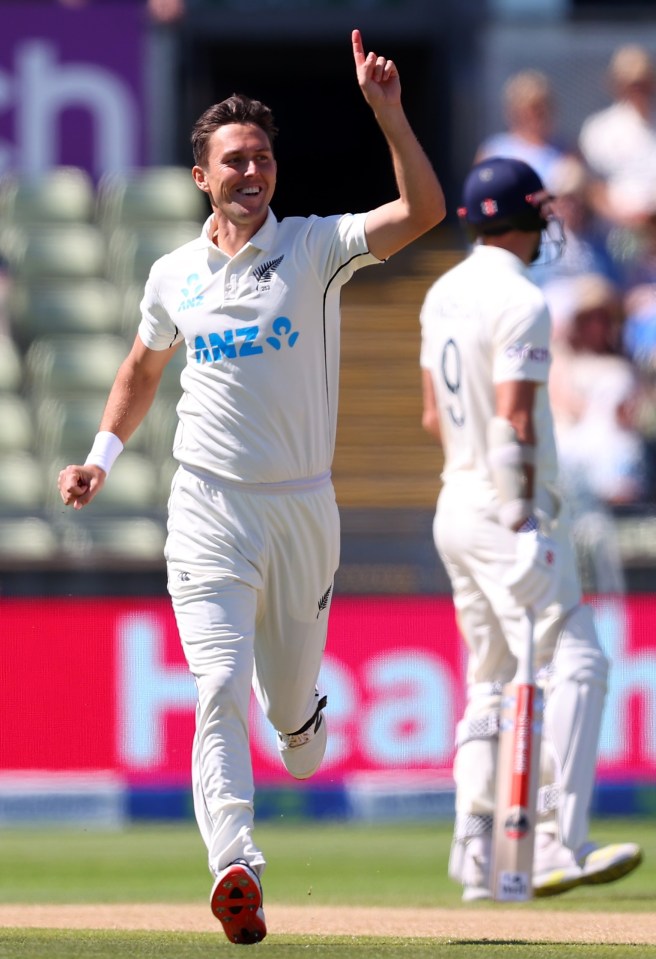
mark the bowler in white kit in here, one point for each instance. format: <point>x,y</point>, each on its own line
<point>253,530</point>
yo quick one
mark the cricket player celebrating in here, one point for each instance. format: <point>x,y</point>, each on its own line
<point>501,530</point>
<point>253,530</point>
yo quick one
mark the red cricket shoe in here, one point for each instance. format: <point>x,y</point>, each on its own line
<point>236,901</point>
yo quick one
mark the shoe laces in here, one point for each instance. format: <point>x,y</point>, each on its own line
<point>306,732</point>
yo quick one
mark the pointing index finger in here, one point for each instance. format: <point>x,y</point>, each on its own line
<point>358,49</point>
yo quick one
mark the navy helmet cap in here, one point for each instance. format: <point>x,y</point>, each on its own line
<point>503,193</point>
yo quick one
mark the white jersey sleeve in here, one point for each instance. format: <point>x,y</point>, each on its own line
<point>521,343</point>
<point>156,329</point>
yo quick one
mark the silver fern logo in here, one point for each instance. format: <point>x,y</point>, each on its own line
<point>323,602</point>
<point>264,272</point>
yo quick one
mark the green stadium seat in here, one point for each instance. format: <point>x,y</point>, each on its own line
<point>161,194</point>
<point>63,194</point>
<point>44,252</point>
<point>114,538</point>
<point>22,482</point>
<point>17,428</point>
<point>132,486</point>
<point>132,251</point>
<point>87,305</point>
<point>11,365</point>
<point>59,365</point>
<point>27,539</point>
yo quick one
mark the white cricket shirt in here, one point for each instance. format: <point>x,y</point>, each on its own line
<point>485,322</point>
<point>619,145</point>
<point>261,328</point>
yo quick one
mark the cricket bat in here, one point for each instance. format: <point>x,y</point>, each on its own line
<point>513,837</point>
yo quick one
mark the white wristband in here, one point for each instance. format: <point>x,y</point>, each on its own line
<point>105,451</point>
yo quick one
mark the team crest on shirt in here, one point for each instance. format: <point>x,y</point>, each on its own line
<point>264,273</point>
<point>191,293</point>
<point>323,602</point>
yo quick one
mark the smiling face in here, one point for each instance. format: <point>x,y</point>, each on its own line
<point>239,176</point>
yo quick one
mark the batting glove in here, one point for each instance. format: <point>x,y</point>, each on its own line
<point>533,578</point>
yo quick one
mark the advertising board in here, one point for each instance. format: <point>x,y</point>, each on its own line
<point>101,685</point>
<point>72,87</point>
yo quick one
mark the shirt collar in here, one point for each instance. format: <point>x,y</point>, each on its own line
<point>263,240</point>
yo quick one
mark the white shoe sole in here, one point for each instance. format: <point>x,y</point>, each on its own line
<point>475,894</point>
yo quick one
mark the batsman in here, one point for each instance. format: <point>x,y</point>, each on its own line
<point>501,529</point>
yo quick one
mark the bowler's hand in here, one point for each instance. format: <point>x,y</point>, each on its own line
<point>378,77</point>
<point>79,484</point>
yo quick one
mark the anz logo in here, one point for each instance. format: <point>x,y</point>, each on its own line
<point>244,341</point>
<point>191,293</point>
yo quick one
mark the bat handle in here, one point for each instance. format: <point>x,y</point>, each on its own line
<point>525,668</point>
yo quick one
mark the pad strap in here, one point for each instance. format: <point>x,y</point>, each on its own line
<point>478,727</point>
<point>471,824</point>
<point>548,798</point>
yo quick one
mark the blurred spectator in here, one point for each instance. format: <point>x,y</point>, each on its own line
<point>604,451</point>
<point>639,274</point>
<point>162,11</point>
<point>530,115</point>
<point>619,142</point>
<point>595,393</point>
<point>634,250</point>
<point>585,249</point>
<point>640,326</point>
<point>640,345</point>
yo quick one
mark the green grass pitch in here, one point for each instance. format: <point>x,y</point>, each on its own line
<point>400,865</point>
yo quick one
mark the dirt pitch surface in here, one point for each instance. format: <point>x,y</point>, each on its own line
<point>478,924</point>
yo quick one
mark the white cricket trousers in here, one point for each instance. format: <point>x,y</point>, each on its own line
<point>250,574</point>
<point>477,552</point>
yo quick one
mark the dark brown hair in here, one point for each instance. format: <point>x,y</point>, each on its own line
<point>236,109</point>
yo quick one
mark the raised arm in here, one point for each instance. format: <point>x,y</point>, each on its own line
<point>129,400</point>
<point>420,205</point>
